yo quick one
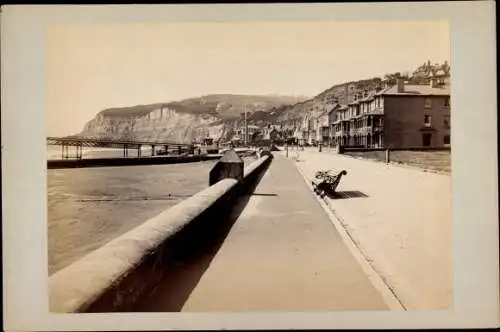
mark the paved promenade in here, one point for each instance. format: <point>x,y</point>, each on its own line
<point>282,254</point>
<point>401,219</point>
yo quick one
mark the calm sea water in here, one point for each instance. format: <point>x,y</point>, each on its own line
<point>89,207</point>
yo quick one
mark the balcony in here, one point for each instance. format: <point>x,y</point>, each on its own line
<point>376,111</point>
<point>341,132</point>
<point>373,130</point>
<point>427,127</point>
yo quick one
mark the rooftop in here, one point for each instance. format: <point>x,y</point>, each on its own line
<point>369,97</point>
<point>423,90</point>
<point>330,108</point>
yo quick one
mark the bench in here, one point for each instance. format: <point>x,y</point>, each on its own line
<point>326,182</point>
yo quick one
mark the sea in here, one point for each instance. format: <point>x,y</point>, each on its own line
<point>88,207</point>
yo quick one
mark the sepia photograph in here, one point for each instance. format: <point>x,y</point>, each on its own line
<point>249,166</point>
<point>237,166</point>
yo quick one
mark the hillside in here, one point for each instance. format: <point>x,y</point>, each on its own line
<point>224,105</point>
<point>216,115</point>
<point>182,121</point>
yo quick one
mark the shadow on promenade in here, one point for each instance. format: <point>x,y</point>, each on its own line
<point>348,194</point>
<point>184,272</point>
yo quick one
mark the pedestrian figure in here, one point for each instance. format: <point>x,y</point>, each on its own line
<point>296,155</point>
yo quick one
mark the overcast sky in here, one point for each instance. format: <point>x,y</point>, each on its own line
<point>92,67</point>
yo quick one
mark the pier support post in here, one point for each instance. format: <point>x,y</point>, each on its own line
<point>152,150</point>
<point>139,150</point>
<point>387,156</point>
<point>230,165</point>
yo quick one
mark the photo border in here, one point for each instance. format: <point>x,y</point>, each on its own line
<point>474,160</point>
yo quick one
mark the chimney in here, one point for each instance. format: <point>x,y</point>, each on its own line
<point>401,85</point>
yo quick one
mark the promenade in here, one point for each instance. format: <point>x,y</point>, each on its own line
<point>282,254</point>
<point>383,242</point>
<point>401,220</point>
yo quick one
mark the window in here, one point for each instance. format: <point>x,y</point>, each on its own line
<point>427,120</point>
<point>447,102</point>
<point>426,139</point>
<point>428,103</point>
<point>446,121</point>
<point>447,139</point>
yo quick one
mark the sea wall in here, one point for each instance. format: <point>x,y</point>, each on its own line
<point>102,162</point>
<point>121,273</point>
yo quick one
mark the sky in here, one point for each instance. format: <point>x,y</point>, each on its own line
<point>93,67</point>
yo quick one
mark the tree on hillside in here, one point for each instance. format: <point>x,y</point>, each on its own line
<point>392,78</point>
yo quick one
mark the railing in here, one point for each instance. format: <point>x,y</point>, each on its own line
<point>106,141</point>
<point>376,111</point>
<point>417,148</point>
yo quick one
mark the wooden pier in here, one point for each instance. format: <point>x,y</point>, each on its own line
<point>78,143</point>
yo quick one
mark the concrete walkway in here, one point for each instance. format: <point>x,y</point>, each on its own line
<point>282,254</point>
<point>401,218</point>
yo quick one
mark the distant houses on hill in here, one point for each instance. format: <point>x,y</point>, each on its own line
<point>398,111</point>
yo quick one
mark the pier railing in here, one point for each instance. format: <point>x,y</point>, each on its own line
<point>79,142</point>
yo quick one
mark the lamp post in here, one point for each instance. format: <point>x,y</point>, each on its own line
<point>246,126</point>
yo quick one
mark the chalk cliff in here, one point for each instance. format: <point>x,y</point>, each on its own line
<point>184,121</point>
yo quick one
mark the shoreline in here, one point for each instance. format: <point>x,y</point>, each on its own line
<point>134,161</point>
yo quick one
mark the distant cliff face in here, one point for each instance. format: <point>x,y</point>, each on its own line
<point>185,121</point>
<point>162,124</point>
